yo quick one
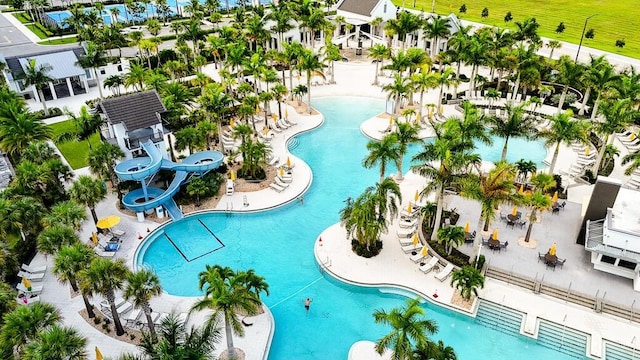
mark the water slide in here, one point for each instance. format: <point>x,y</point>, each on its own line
<point>140,169</point>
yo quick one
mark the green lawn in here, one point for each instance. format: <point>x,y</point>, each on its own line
<point>615,19</point>
<point>75,152</point>
<point>36,30</point>
<point>22,17</point>
<point>59,41</point>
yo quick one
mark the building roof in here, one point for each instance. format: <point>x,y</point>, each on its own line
<point>135,111</point>
<point>62,61</point>
<point>360,7</point>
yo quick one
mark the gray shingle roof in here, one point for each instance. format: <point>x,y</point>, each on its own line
<point>135,111</point>
<point>360,7</point>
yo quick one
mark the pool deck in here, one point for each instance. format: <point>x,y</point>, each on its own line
<point>391,268</point>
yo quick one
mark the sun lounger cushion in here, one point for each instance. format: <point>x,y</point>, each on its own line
<point>444,273</point>
<point>408,224</point>
<point>417,257</point>
<point>126,306</point>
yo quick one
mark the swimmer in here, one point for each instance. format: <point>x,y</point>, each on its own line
<point>307,303</point>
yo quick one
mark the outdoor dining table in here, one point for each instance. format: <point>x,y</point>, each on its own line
<point>512,217</point>
<point>493,243</point>
<point>550,259</point>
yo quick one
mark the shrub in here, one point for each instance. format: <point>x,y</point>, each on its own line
<point>97,320</point>
<point>53,112</point>
<point>463,9</point>
<point>480,263</point>
<point>362,250</point>
<point>569,99</point>
<point>620,43</point>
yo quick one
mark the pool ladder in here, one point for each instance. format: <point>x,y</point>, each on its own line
<point>325,264</point>
<point>229,208</point>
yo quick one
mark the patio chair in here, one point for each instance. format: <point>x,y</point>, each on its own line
<point>34,269</point>
<point>540,257</point>
<point>443,274</point>
<point>102,253</point>
<point>132,318</point>
<point>560,262</point>
<point>503,217</point>
<point>104,304</point>
<point>405,241</point>
<point>280,182</point>
<point>161,316</point>
<point>408,223</point>
<point>563,204</point>
<point>555,211</point>
<point>418,257</point>
<point>125,307</point>
<point>485,242</point>
<point>504,246</point>
<point>276,187</point>
<point>551,265</point>
<point>409,248</point>
<point>511,223</point>
<point>405,233</point>
<point>429,265</point>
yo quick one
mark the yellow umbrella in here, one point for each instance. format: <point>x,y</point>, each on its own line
<point>286,114</point>
<point>232,123</point>
<point>94,238</point>
<point>409,208</point>
<point>265,130</point>
<point>390,121</point>
<point>98,354</point>
<point>424,251</point>
<point>288,162</point>
<point>441,110</point>
<point>108,222</point>
<point>552,250</point>
<point>257,108</point>
<point>26,283</point>
<point>281,172</point>
<point>417,118</point>
<point>495,234</point>
<point>514,212</point>
<point>232,175</point>
<point>416,196</point>
<point>632,136</point>
<point>466,227</point>
<point>554,199</point>
<point>521,191</point>
<point>274,116</point>
<point>430,113</point>
<point>415,239</point>
<point>587,151</point>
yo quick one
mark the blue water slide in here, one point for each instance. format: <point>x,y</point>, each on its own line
<point>141,168</point>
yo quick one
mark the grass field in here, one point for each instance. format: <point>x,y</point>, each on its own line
<point>615,19</point>
<point>59,41</point>
<point>75,152</point>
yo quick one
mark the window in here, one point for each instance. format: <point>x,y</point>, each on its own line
<point>103,71</point>
<point>608,259</point>
<point>627,264</point>
<point>384,9</point>
<point>119,67</point>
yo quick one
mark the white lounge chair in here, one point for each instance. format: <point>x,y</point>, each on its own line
<point>34,269</point>
<point>408,223</point>
<point>426,268</point>
<point>274,161</point>
<point>290,122</point>
<point>161,316</point>
<point>104,304</point>
<point>443,274</point>
<point>35,289</point>
<point>102,253</point>
<point>419,257</point>
<point>26,300</point>
<point>276,187</point>
<point>409,248</point>
<point>405,214</point>
<point>405,233</point>
<point>405,241</point>
<point>132,318</point>
<point>30,276</point>
<point>279,181</point>
<point>285,179</point>
<point>118,232</point>
<point>183,317</point>
<point>125,307</point>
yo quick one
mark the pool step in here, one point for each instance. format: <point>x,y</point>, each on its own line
<point>562,339</point>
<point>293,143</point>
<point>500,318</point>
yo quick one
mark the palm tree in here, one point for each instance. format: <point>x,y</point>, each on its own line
<point>490,190</point>
<point>382,152</point>
<point>397,90</point>
<point>617,115</point>
<point>516,124</point>
<point>569,72</point>
<point>553,44</point>
<point>404,23</point>
<point>86,124</point>
<point>467,280</point>
<point>20,129</point>
<point>634,159</point>
<point>406,134</point>
<point>445,78</point>
<point>93,59</point>
<point>69,261</point>
<point>451,236</point>
<point>67,213</point>
<point>423,81</point>
<point>225,295</point>
<point>88,191</point>
<point>378,53</point>
<point>311,65</point>
<point>538,201</point>
<point>175,342</point>
<point>434,350</point>
<point>564,129</point>
<point>142,286</point>
<point>188,138</point>
<point>102,161</point>
<point>104,277</point>
<point>437,28</point>
<point>57,342</point>
<point>197,187</point>
<point>603,78</point>
<point>524,168</point>
<point>53,238</point>
<point>408,328</point>
<point>22,326</point>
<point>38,76</point>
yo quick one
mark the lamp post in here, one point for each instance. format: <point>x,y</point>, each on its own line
<point>584,28</point>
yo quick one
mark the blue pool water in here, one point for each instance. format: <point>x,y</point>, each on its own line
<point>278,245</point>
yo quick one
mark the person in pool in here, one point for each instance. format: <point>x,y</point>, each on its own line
<point>307,303</point>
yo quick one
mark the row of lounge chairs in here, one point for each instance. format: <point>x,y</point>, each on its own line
<point>31,294</point>
<point>281,182</point>
<point>134,317</point>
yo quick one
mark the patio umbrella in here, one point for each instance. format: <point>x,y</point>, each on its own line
<point>416,196</point>
<point>390,121</point>
<point>409,208</point>
<point>466,227</point>
<point>415,239</point>
<point>632,136</point>
<point>514,212</point>
<point>495,234</point>
<point>424,251</point>
<point>108,222</point>
<point>286,114</point>
<point>265,130</point>
<point>232,123</point>
<point>288,162</point>
<point>94,238</point>
<point>554,199</point>
<point>98,354</point>
<point>281,172</point>
<point>552,250</point>
<point>587,151</point>
<point>521,190</point>
<point>26,283</point>
<point>233,175</point>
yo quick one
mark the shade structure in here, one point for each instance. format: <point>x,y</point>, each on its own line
<point>514,212</point>
<point>232,123</point>
<point>495,234</point>
<point>424,251</point>
<point>552,249</point>
<point>108,222</point>
<point>288,161</point>
<point>94,238</point>
<point>26,283</point>
<point>587,151</point>
<point>554,199</point>
<point>281,172</point>
<point>521,190</point>
<point>466,227</point>
<point>98,354</point>
<point>232,176</point>
<point>415,239</point>
<point>416,196</point>
<point>409,208</point>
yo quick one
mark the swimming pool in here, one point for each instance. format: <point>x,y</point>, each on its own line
<point>278,244</point>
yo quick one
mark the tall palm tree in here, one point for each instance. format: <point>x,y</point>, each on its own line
<point>490,190</point>
<point>225,295</point>
<point>88,191</point>
<point>538,201</point>
<point>22,326</point>
<point>423,81</point>
<point>603,79</point>
<point>569,72</point>
<point>618,114</point>
<point>444,79</point>
<point>142,286</point>
<point>408,327</point>
<point>516,124</point>
<point>104,277</point>
<point>85,125</point>
<point>467,280</point>
<point>564,129</point>
<point>311,65</point>
<point>405,23</point>
<point>19,128</point>
<point>93,59</point>
<point>397,90</point>
<point>102,161</point>
<point>68,263</point>
<point>378,53</point>
<point>451,236</point>
<point>553,44</point>
<point>406,134</point>
<point>55,237</point>
<point>436,28</point>
<point>57,342</point>
<point>38,76</point>
<point>67,213</point>
<point>382,152</point>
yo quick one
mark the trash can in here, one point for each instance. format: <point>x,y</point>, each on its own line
<point>140,215</point>
<point>160,212</point>
<point>358,51</point>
